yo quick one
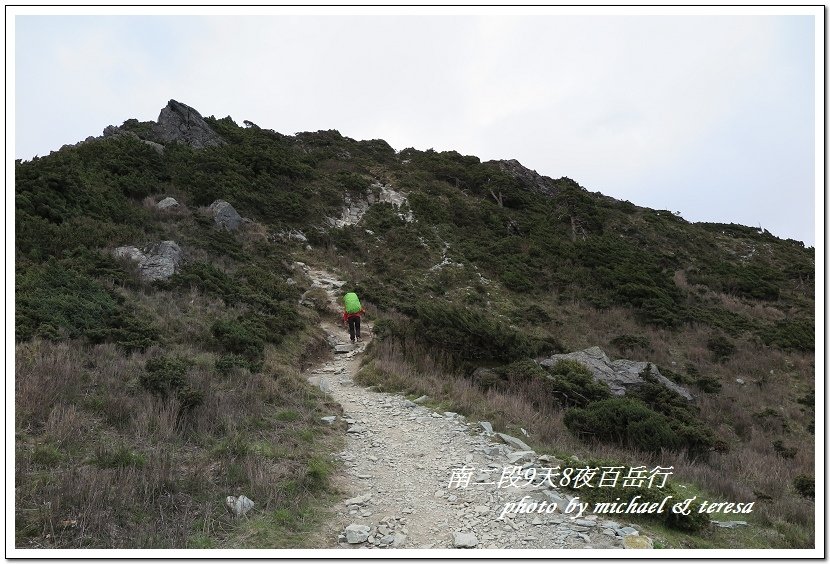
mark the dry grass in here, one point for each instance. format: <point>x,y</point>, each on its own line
<point>101,462</point>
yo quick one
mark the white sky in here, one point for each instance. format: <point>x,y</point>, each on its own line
<point>710,115</point>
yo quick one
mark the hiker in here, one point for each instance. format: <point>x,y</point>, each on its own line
<point>352,310</point>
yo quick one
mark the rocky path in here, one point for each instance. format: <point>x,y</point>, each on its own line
<point>422,479</point>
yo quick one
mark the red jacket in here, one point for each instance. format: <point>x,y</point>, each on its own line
<point>347,315</point>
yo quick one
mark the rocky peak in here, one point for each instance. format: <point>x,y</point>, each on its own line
<point>180,123</point>
<point>529,178</point>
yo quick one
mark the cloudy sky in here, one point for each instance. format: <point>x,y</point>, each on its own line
<point>711,115</point>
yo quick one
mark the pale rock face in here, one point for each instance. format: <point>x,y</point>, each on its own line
<point>159,262</point>
<point>619,374</point>
<point>179,123</point>
<point>225,216</point>
<point>167,203</point>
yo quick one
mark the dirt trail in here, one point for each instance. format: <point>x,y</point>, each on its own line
<point>421,479</point>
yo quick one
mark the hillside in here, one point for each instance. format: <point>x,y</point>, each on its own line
<point>161,348</point>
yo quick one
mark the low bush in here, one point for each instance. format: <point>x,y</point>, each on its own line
<point>573,385</point>
<point>56,300</point>
<point>805,486</point>
<point>635,489</point>
<point>720,347</point>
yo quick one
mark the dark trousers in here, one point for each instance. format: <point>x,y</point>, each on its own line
<point>354,327</point>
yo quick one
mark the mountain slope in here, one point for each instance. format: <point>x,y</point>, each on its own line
<point>196,379</point>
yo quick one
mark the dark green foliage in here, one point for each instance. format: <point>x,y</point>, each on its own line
<point>623,421</point>
<point>652,419</point>
<point>721,348</point>
<point>227,362</point>
<point>471,336</point>
<point>238,337</point>
<point>636,491</point>
<point>573,385</point>
<point>684,418</point>
<point>164,374</point>
<point>55,300</point>
<point>805,486</point>
<point>808,399</point>
<point>708,384</point>
<point>783,450</point>
<point>791,335</point>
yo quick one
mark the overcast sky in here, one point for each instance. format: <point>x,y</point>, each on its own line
<point>713,116</point>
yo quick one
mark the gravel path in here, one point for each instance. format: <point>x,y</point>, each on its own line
<point>421,479</point>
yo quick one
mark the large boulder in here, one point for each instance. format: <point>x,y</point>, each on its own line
<point>618,374</point>
<point>179,123</point>
<point>158,262</point>
<point>225,216</point>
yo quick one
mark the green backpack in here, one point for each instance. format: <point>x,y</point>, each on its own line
<point>352,303</point>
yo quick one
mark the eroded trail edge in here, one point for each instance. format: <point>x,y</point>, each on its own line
<point>417,478</point>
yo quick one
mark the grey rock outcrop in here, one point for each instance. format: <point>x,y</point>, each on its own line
<point>179,123</point>
<point>159,262</point>
<point>225,216</point>
<point>167,203</point>
<point>112,131</point>
<point>619,374</point>
<point>529,178</point>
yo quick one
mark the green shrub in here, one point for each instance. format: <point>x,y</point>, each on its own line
<point>791,335</point>
<point>61,299</point>
<point>708,384</point>
<point>621,493</point>
<point>784,451</point>
<point>472,336</point>
<point>721,347</point>
<point>625,422</point>
<point>805,486</point>
<point>573,385</point>
<point>164,375</point>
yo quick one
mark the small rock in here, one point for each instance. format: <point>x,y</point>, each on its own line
<point>356,429</point>
<point>238,506</point>
<point>464,540</point>
<point>487,426</point>
<point>585,522</point>
<point>627,531</point>
<point>633,541</point>
<point>356,534</point>
<point>740,381</point>
<point>513,442</point>
<point>400,539</point>
<point>522,455</point>
<point>421,399</point>
<point>359,500</point>
<point>329,419</point>
<point>729,524</point>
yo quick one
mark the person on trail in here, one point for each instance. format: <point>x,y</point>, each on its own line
<point>352,310</point>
